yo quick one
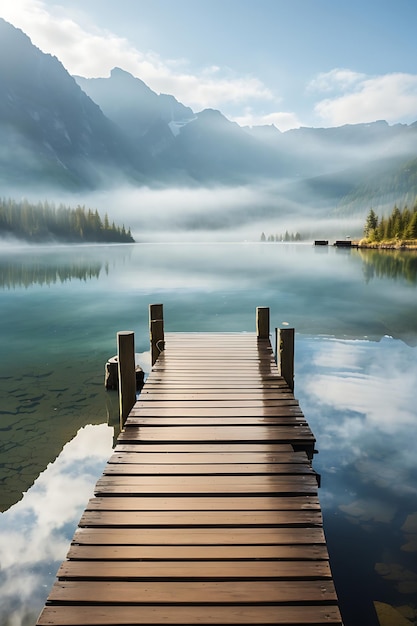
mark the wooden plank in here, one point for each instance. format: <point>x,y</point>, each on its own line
<point>141,469</point>
<point>243,415</point>
<point>208,457</point>
<point>217,433</point>
<point>200,536</point>
<point>257,615</point>
<point>184,417</point>
<point>210,592</point>
<point>212,552</point>
<point>201,518</point>
<point>243,402</point>
<point>246,395</point>
<point>207,503</point>
<point>136,485</point>
<point>195,570</point>
<point>154,382</point>
<point>227,379</point>
<point>230,447</point>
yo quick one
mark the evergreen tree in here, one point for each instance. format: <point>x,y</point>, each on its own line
<point>371,223</point>
<point>411,231</point>
<point>43,222</point>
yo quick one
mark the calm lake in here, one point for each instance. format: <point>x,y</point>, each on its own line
<point>355,316</point>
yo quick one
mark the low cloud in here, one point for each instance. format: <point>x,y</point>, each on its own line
<point>357,98</point>
<point>215,214</point>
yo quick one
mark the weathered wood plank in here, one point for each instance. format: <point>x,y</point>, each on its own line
<point>212,458</point>
<point>200,536</point>
<point>154,382</point>
<point>257,615</point>
<point>230,447</point>
<point>197,552</point>
<point>242,415</point>
<point>139,469</point>
<point>135,485</point>
<point>210,592</point>
<point>201,518</point>
<point>200,396</point>
<point>213,404</point>
<point>205,503</point>
<point>195,570</point>
<point>217,433</point>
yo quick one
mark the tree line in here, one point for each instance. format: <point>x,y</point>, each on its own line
<point>43,222</point>
<point>285,237</point>
<point>399,225</point>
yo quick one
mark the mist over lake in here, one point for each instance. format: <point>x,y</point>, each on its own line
<point>355,377</point>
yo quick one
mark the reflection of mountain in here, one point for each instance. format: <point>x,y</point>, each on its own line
<point>32,271</point>
<point>394,264</point>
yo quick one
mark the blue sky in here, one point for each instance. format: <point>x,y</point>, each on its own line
<point>288,62</point>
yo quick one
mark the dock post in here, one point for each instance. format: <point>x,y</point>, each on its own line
<point>156,330</point>
<point>127,374</point>
<point>284,351</point>
<point>262,322</point>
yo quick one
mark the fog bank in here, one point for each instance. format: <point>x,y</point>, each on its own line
<point>218,214</point>
<point>240,213</point>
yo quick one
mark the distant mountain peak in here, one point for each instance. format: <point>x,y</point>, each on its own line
<point>132,105</point>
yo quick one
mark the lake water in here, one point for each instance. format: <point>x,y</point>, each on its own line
<point>355,316</point>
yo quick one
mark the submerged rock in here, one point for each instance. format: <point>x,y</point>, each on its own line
<point>390,616</point>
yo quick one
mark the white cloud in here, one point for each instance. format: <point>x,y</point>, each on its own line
<point>281,119</point>
<point>359,99</point>
<point>337,79</point>
<point>89,52</point>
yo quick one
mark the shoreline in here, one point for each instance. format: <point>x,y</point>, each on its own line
<point>397,245</point>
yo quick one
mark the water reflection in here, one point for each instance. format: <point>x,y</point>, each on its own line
<point>35,533</point>
<point>41,410</point>
<point>25,266</point>
<point>359,398</point>
<point>357,394</point>
<point>393,264</point>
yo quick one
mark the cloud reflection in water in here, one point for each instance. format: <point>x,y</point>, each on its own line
<point>35,533</point>
<point>359,398</point>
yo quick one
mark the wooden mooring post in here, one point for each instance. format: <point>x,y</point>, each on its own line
<point>156,330</point>
<point>262,322</point>
<point>127,373</point>
<point>284,354</point>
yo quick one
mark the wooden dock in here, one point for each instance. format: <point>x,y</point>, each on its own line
<point>208,511</point>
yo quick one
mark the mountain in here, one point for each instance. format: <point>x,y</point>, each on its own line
<point>139,109</point>
<point>205,146</point>
<point>78,133</point>
<point>51,131</point>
